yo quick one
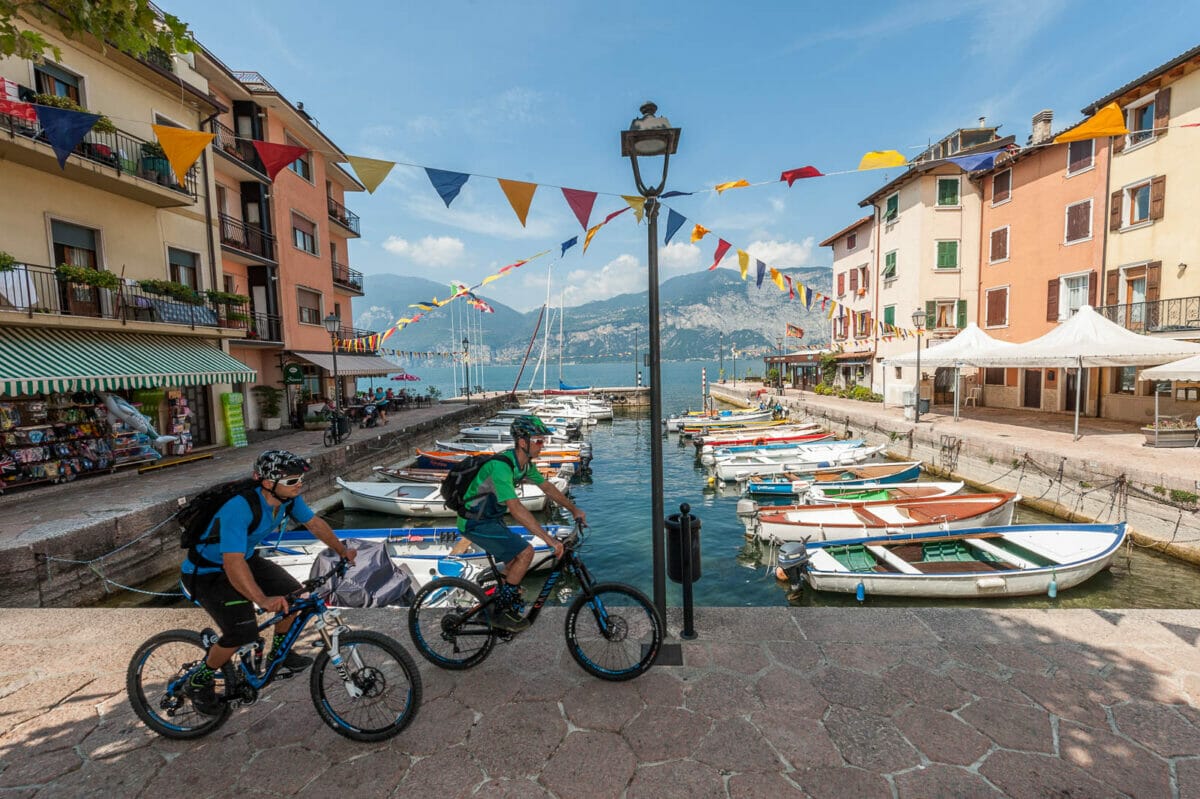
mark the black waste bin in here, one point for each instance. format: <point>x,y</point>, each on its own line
<point>676,547</point>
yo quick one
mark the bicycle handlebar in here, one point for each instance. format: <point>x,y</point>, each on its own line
<point>313,583</point>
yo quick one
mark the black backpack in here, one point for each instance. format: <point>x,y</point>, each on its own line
<point>197,515</point>
<point>461,475</point>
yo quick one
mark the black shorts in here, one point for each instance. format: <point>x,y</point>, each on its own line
<point>232,612</point>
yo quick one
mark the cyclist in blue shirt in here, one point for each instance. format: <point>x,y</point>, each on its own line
<point>227,578</point>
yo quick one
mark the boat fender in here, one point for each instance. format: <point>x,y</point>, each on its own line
<point>860,592</point>
<point>1053,589</point>
<point>990,582</point>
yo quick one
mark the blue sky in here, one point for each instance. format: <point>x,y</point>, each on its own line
<point>539,91</point>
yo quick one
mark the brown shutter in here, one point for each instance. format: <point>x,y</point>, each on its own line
<point>1093,287</point>
<point>865,277</point>
<point>1158,196</point>
<point>1114,211</point>
<point>1153,279</point>
<point>853,280</point>
<point>1111,281</point>
<point>1052,301</point>
<point>841,284</point>
<point>1162,111</point>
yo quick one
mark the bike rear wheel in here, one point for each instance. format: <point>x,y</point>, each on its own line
<point>613,632</point>
<point>328,438</point>
<point>447,624</point>
<point>385,674</point>
<point>154,684</point>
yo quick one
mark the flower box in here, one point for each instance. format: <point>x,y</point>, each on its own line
<point>1170,437</point>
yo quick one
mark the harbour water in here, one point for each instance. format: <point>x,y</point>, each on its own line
<point>735,571</point>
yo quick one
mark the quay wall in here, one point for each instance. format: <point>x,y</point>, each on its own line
<point>30,579</point>
<point>1077,486</point>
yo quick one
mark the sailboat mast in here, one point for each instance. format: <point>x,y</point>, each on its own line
<point>560,336</point>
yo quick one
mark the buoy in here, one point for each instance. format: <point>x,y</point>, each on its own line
<point>780,574</point>
<point>758,442</point>
<point>1053,590</point>
<point>860,593</point>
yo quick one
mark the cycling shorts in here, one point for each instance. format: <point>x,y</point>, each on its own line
<point>233,613</point>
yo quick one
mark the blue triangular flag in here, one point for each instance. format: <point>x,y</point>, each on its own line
<point>448,184</point>
<point>762,270</point>
<point>808,299</point>
<point>676,194</point>
<point>568,244</point>
<point>971,163</point>
<point>64,129</point>
<point>675,221</point>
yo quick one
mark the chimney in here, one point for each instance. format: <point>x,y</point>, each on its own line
<point>1041,126</point>
<point>982,121</point>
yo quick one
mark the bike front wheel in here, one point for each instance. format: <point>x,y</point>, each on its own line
<point>449,625</point>
<point>613,632</point>
<point>328,438</point>
<point>154,683</point>
<point>373,694</point>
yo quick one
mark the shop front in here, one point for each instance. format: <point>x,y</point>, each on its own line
<point>315,379</point>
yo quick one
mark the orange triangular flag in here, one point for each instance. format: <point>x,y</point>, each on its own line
<point>699,232</point>
<point>1108,121</point>
<point>638,204</point>
<point>588,238</point>
<point>733,184</point>
<point>519,195</point>
<point>777,277</point>
<point>881,159</point>
<point>371,171</point>
<point>182,148</point>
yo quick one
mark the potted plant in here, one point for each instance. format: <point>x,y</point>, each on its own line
<point>7,262</point>
<point>270,401</point>
<point>169,288</point>
<point>314,422</point>
<point>226,298</point>
<point>87,276</point>
<point>155,165</point>
<point>1172,431</point>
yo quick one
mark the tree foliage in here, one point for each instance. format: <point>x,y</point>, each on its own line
<point>132,26</point>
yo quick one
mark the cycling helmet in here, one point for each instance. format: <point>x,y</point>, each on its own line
<point>275,464</point>
<point>528,426</point>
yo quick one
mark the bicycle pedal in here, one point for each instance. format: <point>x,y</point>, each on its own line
<point>284,673</point>
<point>503,636</point>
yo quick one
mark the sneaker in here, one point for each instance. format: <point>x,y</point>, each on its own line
<point>295,661</point>
<point>509,619</point>
<point>203,696</point>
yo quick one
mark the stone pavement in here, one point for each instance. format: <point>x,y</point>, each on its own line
<point>781,702</point>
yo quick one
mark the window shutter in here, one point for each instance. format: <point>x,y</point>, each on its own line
<point>865,277</point>
<point>962,314</point>
<point>930,314</point>
<point>1093,287</point>
<point>1162,111</point>
<point>1052,300</point>
<point>853,280</point>
<point>1111,282</point>
<point>999,245</point>
<point>1158,196</point>
<point>1114,211</point>
<point>1153,279</point>
<point>841,283</point>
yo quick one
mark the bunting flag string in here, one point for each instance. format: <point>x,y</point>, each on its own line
<point>743,262</point>
<point>722,248</point>
<point>370,171</point>
<point>64,129</point>
<point>721,188</point>
<point>699,232</point>
<point>581,203</point>
<point>276,156</point>
<point>675,220</point>
<point>446,184</point>
<point>519,194</point>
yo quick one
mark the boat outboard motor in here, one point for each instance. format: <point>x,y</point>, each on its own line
<point>747,507</point>
<point>793,560</point>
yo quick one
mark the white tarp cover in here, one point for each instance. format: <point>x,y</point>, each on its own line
<point>1187,369</point>
<point>1086,339</point>
<point>969,343</point>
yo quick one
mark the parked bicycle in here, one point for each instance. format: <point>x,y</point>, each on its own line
<point>339,427</point>
<point>613,631</point>
<point>363,684</point>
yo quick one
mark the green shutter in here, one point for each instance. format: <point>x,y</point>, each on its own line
<point>893,207</point>
<point>930,314</point>
<point>889,265</point>
<point>947,255</point>
<point>947,191</point>
<point>889,315</point>
<point>962,314</point>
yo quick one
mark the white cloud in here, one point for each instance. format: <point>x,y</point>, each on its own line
<point>622,275</point>
<point>466,215</point>
<point>677,258</point>
<point>429,251</point>
<point>782,254</point>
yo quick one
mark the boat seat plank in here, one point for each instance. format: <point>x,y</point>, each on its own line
<point>1024,543</point>
<point>869,518</point>
<point>992,549</point>
<point>892,560</point>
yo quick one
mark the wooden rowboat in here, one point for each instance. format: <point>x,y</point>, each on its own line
<point>878,492</point>
<point>790,483</point>
<point>422,499</point>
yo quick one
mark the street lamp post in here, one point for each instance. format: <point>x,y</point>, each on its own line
<point>918,318</point>
<point>333,324</point>
<point>733,353</point>
<point>651,136</point>
<point>721,354</point>
<point>779,366</point>
<point>466,369</point>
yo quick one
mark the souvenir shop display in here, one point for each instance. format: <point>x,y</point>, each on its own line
<point>53,439</point>
<point>180,424</point>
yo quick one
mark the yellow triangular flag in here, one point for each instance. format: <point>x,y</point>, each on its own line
<point>733,184</point>
<point>182,148</point>
<point>489,279</point>
<point>777,277</point>
<point>699,232</point>
<point>371,171</point>
<point>519,195</point>
<point>879,159</point>
<point>591,232</point>
<point>1108,121</point>
<point>638,204</point>
<point>743,262</point>
<point>832,307</point>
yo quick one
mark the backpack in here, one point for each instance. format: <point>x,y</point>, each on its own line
<point>461,475</point>
<point>197,515</point>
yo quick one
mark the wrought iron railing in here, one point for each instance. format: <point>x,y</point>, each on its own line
<point>225,140</point>
<point>1158,316</point>
<point>265,327</point>
<point>339,213</point>
<point>351,333</point>
<point>237,234</point>
<point>345,276</point>
<point>124,152</point>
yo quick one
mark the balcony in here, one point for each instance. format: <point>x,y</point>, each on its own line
<point>347,278</point>
<point>351,333</point>
<point>265,327</point>
<point>1178,315</point>
<point>338,213</point>
<point>116,162</point>
<point>240,152</point>
<point>246,243</point>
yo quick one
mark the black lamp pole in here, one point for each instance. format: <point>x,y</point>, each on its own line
<point>333,324</point>
<point>466,369</point>
<point>651,135</point>
<point>918,318</point>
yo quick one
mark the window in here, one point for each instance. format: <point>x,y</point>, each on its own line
<point>851,241</point>
<point>947,254</point>
<point>892,208</point>
<point>862,279</point>
<point>862,324</point>
<point>302,166</point>
<point>309,304</point>
<point>889,266</point>
<point>947,192</point>
<point>51,79</point>
<point>1141,123</point>
<point>1125,380</point>
<point>1137,204</point>
<point>75,245</point>
<point>1080,155</point>
<point>841,286</point>
<point>1075,293</point>
<point>182,266</point>
<point>1001,186</point>
<point>889,315</point>
<point>993,376</point>
<point>945,314</point>
<point>997,307</point>
<point>999,245</point>
<point>853,281</point>
<point>304,234</point>
<point>1079,222</point>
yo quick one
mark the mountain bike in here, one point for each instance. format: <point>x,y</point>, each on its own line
<point>363,684</point>
<point>339,427</point>
<point>613,631</point>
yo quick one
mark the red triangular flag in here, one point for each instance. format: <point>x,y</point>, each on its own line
<point>792,175</point>
<point>276,156</point>
<point>722,248</point>
<point>581,203</point>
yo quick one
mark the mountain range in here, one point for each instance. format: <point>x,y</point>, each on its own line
<point>700,313</point>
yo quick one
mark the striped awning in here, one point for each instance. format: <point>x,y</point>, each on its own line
<point>351,365</point>
<point>45,360</point>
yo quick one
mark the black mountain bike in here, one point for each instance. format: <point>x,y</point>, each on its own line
<point>363,684</point>
<point>613,630</point>
<point>339,428</point>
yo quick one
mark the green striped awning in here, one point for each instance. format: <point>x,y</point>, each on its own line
<point>45,360</point>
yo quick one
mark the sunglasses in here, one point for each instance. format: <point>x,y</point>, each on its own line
<point>537,440</point>
<point>288,482</point>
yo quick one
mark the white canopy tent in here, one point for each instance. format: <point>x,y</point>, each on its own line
<point>1186,369</point>
<point>957,352</point>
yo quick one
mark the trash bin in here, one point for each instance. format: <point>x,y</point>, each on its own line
<point>676,546</point>
<point>924,405</point>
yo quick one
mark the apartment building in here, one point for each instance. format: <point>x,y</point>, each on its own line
<point>854,276</point>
